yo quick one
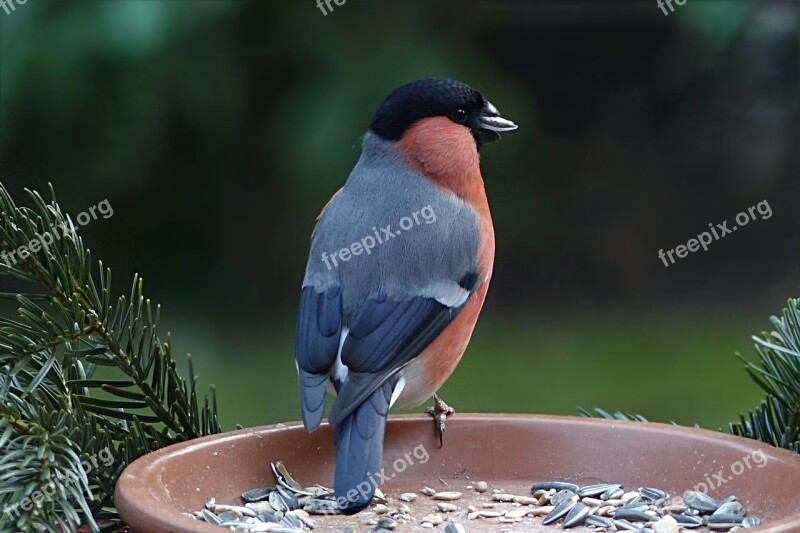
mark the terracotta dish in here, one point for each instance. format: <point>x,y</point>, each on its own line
<point>507,451</point>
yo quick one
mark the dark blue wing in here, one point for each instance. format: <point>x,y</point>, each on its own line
<point>319,328</point>
<point>386,334</point>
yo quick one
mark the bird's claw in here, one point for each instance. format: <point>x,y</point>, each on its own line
<point>440,411</point>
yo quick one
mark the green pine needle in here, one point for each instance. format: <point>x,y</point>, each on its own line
<point>65,434</point>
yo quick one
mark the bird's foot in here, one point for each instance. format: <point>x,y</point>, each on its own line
<point>440,411</point>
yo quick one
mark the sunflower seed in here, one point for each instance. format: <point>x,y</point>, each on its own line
<point>563,495</point>
<point>597,489</point>
<point>455,528</point>
<point>277,503</point>
<point>700,501</point>
<point>387,523</point>
<point>632,515</point>
<point>560,510</point>
<point>288,498</point>
<point>228,516</point>
<point>554,485</point>
<point>627,526</point>
<point>634,503</point>
<point>576,515</point>
<point>598,521</point>
<point>267,517</point>
<point>651,494</point>
<point>732,507</point>
<point>612,493</point>
<point>686,521</point>
<point>210,517</point>
<point>722,519</point>
<point>291,521</point>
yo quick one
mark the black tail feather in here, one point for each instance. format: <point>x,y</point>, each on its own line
<point>359,451</point>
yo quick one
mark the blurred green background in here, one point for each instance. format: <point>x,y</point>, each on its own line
<point>218,129</point>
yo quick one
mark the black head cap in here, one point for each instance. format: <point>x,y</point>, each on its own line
<point>433,97</point>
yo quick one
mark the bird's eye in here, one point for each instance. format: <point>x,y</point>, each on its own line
<point>459,115</point>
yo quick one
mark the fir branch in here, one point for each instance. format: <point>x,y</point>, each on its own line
<point>56,414</point>
<point>776,420</point>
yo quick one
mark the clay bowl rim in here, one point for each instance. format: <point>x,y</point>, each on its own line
<point>133,499</point>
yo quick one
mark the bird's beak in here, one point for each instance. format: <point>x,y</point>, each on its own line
<point>491,120</point>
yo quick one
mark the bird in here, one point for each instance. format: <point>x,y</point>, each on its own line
<point>399,265</point>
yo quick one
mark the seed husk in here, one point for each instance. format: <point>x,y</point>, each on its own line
<point>751,521</point>
<point>284,477</point>
<point>447,496</point>
<point>257,495</point>
<point>321,507</point>
<point>541,511</point>
<point>666,524</point>
<point>516,513</point>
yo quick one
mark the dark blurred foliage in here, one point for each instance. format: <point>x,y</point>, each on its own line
<point>217,130</point>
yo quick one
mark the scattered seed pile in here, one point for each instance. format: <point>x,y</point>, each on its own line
<point>287,507</point>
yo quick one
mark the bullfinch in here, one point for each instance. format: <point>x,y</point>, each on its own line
<point>400,261</point>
